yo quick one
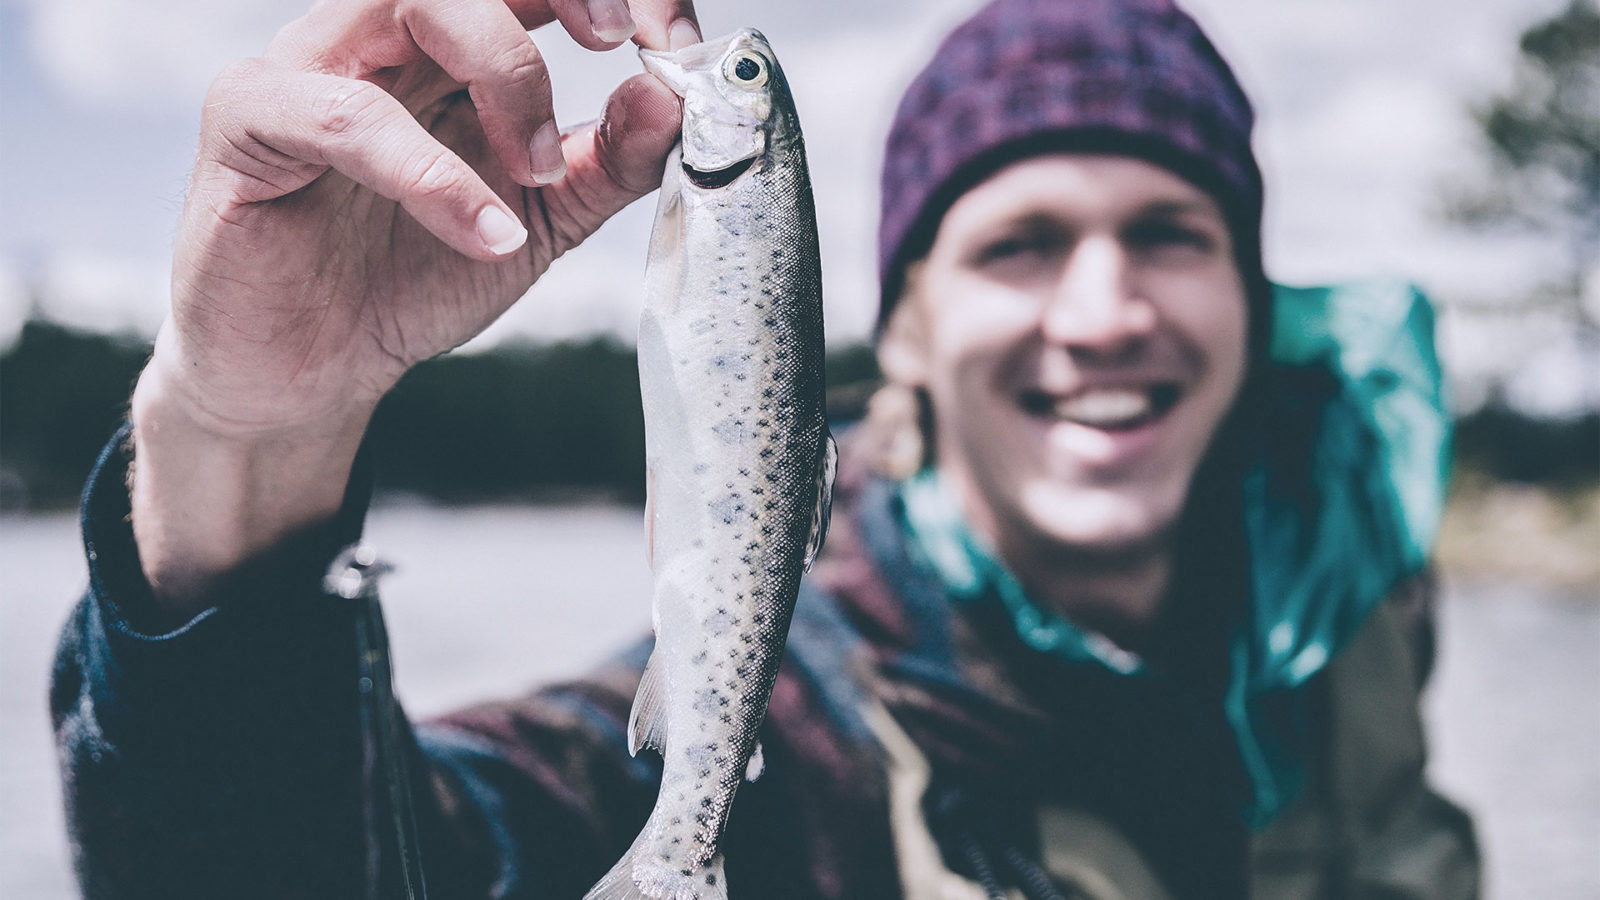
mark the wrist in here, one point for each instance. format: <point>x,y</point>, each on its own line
<point>210,489</point>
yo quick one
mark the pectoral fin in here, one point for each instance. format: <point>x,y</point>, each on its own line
<point>650,517</point>
<point>756,765</point>
<point>647,723</point>
<point>827,468</point>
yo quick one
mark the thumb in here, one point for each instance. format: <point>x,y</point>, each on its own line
<point>615,161</point>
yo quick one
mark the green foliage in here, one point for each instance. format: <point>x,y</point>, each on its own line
<point>1504,446</point>
<point>62,394</point>
<point>1542,143</point>
<point>524,421</point>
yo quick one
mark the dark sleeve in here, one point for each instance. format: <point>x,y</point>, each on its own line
<point>228,755</point>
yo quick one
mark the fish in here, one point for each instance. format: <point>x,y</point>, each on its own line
<point>739,458</point>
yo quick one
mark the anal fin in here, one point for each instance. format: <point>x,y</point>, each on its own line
<point>647,723</point>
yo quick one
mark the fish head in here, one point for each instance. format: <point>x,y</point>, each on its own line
<point>736,102</point>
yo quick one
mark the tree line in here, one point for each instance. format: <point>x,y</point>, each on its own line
<point>535,422</point>
<point>523,421</point>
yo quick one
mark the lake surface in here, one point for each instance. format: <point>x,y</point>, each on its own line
<point>489,600</point>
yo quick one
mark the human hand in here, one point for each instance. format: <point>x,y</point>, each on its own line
<point>376,189</point>
<point>360,191</point>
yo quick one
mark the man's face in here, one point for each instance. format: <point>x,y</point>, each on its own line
<point>1080,327</point>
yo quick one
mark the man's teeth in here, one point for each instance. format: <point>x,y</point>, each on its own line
<point>1105,407</point>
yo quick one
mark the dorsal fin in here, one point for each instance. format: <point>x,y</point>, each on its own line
<point>827,468</point>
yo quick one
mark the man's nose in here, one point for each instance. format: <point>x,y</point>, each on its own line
<point>1094,305</point>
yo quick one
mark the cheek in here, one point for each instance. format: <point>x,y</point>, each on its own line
<point>1211,316</point>
<point>972,321</point>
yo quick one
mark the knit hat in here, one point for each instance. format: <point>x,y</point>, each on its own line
<point>1023,77</point>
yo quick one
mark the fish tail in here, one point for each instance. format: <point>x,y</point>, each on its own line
<point>635,879</point>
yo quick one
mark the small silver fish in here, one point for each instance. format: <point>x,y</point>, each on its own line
<point>740,460</point>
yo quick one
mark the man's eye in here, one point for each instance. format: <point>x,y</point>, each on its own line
<point>1162,235</point>
<point>1014,246</point>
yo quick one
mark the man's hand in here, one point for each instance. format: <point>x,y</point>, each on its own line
<point>379,187</point>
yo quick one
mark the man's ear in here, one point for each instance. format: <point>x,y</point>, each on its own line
<point>904,346</point>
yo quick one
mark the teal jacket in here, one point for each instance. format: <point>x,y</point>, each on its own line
<point>1343,491</point>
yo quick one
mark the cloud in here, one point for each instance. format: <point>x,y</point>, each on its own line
<point>15,302</point>
<point>150,55</point>
<point>104,292</point>
<point>1362,110</point>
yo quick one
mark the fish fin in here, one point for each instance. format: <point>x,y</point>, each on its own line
<point>664,270</point>
<point>650,517</point>
<point>637,878</point>
<point>657,879</point>
<point>756,765</point>
<point>647,723</point>
<point>617,884</point>
<point>827,468</point>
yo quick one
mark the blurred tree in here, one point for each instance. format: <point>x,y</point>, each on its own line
<point>1542,140</point>
<point>524,421</point>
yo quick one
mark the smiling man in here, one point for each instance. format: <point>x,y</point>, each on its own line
<point>1080,327</point>
<point>1143,613</point>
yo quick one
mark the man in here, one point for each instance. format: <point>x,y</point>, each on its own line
<point>1117,627</point>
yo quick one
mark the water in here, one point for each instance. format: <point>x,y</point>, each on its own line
<point>489,601</point>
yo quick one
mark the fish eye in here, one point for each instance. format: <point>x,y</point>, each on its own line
<point>747,68</point>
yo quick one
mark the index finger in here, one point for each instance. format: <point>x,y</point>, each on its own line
<point>655,19</point>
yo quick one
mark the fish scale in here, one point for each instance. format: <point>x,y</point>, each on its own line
<point>740,459</point>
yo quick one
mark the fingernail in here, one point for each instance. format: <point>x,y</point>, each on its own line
<point>499,232</point>
<point>611,20</point>
<point>682,33</point>
<point>544,155</point>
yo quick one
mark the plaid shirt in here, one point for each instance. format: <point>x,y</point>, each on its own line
<point>224,756</point>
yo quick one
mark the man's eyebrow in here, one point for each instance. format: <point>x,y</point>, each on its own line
<point>1030,218</point>
<point>1171,209</point>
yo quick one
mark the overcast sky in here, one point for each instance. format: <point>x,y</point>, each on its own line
<point>1361,103</point>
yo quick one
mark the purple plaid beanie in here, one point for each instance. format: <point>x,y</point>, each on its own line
<point>1023,77</point>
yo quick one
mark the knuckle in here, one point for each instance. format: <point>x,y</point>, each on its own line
<point>342,110</point>
<point>431,175</point>
<point>232,82</point>
<point>523,66</point>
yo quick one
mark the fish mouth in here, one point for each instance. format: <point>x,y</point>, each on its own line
<point>717,178</point>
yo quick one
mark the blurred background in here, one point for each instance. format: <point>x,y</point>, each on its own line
<point>1457,145</point>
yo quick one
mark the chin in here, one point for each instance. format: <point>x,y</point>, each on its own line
<point>1099,520</point>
